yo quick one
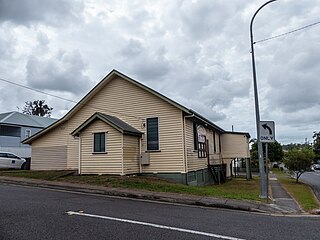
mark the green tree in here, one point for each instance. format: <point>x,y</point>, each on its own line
<point>275,152</point>
<point>299,160</point>
<point>316,145</point>
<point>38,108</point>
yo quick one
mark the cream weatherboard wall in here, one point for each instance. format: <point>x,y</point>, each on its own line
<point>133,105</point>
<point>131,154</point>
<point>234,145</point>
<point>50,152</point>
<point>193,161</point>
<point>101,163</point>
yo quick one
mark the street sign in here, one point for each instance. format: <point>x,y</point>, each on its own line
<point>267,133</point>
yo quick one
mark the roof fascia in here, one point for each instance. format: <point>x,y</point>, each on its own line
<point>239,133</point>
<point>67,115</point>
<point>93,118</point>
<point>206,121</point>
<point>106,80</point>
<point>44,130</point>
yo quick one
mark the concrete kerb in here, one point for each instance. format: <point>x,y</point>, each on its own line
<point>176,198</point>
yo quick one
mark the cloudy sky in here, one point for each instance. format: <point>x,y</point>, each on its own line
<point>195,52</point>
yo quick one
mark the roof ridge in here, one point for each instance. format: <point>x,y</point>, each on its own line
<point>8,116</point>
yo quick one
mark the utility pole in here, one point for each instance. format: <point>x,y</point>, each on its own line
<point>263,186</point>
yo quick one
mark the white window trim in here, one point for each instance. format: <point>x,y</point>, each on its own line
<point>25,133</point>
<point>159,148</point>
<point>105,143</point>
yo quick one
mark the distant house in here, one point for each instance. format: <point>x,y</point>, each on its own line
<point>15,127</point>
<point>123,127</point>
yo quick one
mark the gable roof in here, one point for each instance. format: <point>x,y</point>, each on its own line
<point>20,119</point>
<point>113,74</point>
<point>115,122</point>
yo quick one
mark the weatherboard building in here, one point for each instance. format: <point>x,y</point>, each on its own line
<point>122,127</point>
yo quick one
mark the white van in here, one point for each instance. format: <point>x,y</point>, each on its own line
<point>10,160</point>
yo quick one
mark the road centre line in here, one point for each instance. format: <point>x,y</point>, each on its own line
<point>70,213</point>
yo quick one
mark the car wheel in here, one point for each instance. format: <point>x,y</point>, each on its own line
<point>24,166</point>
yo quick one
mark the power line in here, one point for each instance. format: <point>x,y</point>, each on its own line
<point>65,99</point>
<point>286,33</point>
<point>36,90</point>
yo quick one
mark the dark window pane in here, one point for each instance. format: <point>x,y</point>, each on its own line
<point>10,131</point>
<point>214,142</point>
<point>102,142</point>
<point>9,155</point>
<point>152,134</point>
<point>99,144</point>
<point>195,136</point>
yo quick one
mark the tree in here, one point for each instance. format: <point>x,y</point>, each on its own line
<point>299,160</point>
<point>275,152</point>
<point>38,108</point>
<point>316,145</point>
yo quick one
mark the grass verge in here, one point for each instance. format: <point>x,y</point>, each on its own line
<point>300,191</point>
<point>238,188</point>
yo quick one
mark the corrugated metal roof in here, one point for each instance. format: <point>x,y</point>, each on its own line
<point>111,120</point>
<point>121,124</point>
<point>16,118</point>
<point>4,115</point>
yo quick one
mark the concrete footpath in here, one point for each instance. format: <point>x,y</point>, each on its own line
<point>281,197</point>
<point>282,202</point>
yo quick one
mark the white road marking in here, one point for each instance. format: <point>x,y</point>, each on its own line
<point>153,225</point>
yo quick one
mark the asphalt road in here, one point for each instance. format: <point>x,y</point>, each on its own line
<point>33,213</point>
<point>313,180</point>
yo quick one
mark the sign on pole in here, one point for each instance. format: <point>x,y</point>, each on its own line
<point>267,133</point>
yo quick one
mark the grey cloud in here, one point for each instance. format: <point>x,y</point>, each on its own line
<point>202,19</point>
<point>6,49</point>
<point>63,72</point>
<point>295,80</point>
<point>53,12</point>
<point>133,48</point>
<point>147,63</point>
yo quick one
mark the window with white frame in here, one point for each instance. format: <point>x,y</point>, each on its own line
<point>153,134</point>
<point>99,142</point>
<point>27,133</point>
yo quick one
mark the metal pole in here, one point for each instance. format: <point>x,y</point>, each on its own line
<point>263,192</point>
<point>267,172</point>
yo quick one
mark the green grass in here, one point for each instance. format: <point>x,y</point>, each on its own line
<point>234,189</point>
<point>238,188</point>
<point>300,191</point>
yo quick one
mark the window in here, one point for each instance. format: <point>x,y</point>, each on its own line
<point>214,143</point>
<point>195,136</point>
<point>10,131</point>
<point>152,134</point>
<point>202,149</point>
<point>200,140</point>
<point>27,133</point>
<point>99,142</point>
<point>9,155</point>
